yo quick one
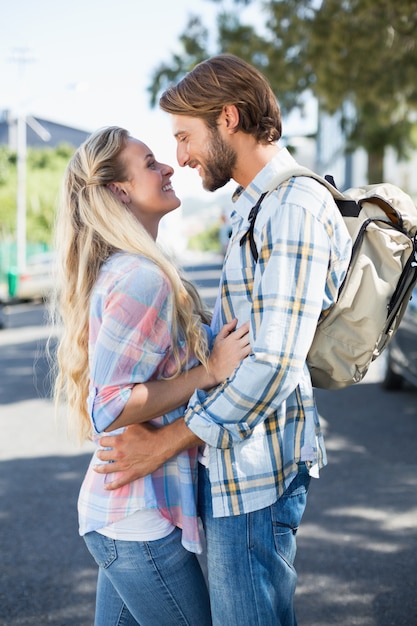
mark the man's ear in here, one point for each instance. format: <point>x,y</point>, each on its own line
<point>230,115</point>
<point>119,192</point>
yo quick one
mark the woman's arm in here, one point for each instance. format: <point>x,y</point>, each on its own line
<point>157,397</point>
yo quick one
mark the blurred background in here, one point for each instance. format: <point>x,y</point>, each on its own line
<point>345,76</point>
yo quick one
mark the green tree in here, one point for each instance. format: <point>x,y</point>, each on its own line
<point>365,53</point>
<point>357,52</point>
<point>45,168</point>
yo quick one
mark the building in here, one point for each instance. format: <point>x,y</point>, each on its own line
<point>39,132</point>
<point>324,151</point>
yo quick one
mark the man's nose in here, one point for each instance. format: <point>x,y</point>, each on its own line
<point>182,155</point>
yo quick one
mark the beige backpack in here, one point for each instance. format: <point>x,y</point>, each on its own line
<point>382,221</point>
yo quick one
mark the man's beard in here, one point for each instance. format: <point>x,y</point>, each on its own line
<point>220,162</point>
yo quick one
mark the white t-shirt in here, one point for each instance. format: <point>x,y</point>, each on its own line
<point>145,525</point>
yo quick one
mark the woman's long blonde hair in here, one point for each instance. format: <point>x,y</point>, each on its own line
<point>92,224</point>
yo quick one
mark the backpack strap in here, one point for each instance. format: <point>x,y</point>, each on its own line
<point>249,233</point>
<point>346,206</point>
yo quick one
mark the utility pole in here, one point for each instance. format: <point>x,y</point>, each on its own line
<point>21,194</point>
<point>22,58</point>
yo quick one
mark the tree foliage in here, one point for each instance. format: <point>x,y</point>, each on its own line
<point>194,42</point>
<point>45,168</point>
<point>360,52</point>
<point>370,60</point>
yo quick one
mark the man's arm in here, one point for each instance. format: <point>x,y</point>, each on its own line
<point>141,449</point>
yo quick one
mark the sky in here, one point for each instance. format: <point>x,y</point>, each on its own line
<point>88,63</point>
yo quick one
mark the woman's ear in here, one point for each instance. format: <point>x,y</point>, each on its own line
<point>119,192</point>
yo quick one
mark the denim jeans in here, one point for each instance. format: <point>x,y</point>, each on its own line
<point>150,583</point>
<point>250,558</point>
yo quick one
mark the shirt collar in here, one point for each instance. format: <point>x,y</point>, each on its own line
<point>245,198</point>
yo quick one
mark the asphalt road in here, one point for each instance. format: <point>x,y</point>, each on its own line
<point>357,547</point>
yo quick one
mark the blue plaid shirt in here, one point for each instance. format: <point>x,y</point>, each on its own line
<point>263,420</point>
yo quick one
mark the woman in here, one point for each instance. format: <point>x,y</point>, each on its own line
<point>133,335</point>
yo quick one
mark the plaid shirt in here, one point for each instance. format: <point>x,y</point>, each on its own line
<point>263,421</point>
<point>130,342</point>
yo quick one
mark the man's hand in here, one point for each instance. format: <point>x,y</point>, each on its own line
<point>141,449</point>
<point>132,453</point>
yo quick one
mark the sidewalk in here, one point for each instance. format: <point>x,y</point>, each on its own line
<point>4,292</point>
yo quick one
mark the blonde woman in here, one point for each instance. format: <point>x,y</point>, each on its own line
<point>134,347</point>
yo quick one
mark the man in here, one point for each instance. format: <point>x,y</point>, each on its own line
<point>261,426</point>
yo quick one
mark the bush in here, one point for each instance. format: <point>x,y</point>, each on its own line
<point>206,241</point>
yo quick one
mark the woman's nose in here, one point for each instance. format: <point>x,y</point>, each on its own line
<point>167,170</point>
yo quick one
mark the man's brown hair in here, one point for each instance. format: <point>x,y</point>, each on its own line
<point>223,80</point>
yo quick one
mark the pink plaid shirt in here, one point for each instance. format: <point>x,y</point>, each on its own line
<point>129,343</point>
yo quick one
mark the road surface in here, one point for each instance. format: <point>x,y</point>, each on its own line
<point>357,547</point>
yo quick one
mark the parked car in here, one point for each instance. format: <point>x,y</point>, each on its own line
<point>401,353</point>
<point>37,281</point>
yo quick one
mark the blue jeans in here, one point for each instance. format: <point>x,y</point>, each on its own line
<point>150,583</point>
<point>250,558</point>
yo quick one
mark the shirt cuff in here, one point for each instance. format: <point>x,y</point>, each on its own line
<point>103,415</point>
<point>201,423</point>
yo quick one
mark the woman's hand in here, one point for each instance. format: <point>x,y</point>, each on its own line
<point>230,347</point>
